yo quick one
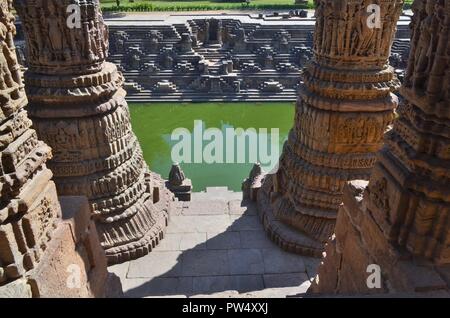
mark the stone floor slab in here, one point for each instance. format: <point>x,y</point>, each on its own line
<point>171,242</point>
<point>205,263</point>
<point>121,270</point>
<point>213,194</point>
<point>193,241</point>
<point>237,207</point>
<point>216,255</point>
<point>156,264</point>
<point>284,280</point>
<point>159,286</point>
<point>278,261</point>
<point>245,223</point>
<point>284,292</point>
<point>180,224</point>
<point>246,261</point>
<point>196,223</point>
<point>256,239</point>
<point>239,283</point>
<point>218,207</point>
<point>223,241</point>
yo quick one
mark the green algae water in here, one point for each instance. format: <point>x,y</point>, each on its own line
<point>155,124</point>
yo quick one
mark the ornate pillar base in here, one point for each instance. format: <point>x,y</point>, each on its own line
<point>72,265</point>
<point>285,236</point>
<point>139,240</point>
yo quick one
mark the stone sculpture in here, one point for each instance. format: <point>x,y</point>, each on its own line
<point>252,184</point>
<point>78,107</point>
<point>41,244</point>
<point>345,105</point>
<point>179,184</point>
<point>399,222</point>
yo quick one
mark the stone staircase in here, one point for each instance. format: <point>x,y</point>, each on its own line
<point>135,88</point>
<point>263,56</point>
<point>215,246</point>
<point>214,57</point>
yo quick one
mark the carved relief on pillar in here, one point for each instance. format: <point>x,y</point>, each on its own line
<point>346,104</point>
<point>84,117</point>
<point>416,155</point>
<point>402,220</point>
<point>347,32</point>
<point>22,168</point>
<point>36,244</point>
<point>53,39</point>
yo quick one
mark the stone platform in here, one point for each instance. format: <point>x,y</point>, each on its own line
<point>216,247</point>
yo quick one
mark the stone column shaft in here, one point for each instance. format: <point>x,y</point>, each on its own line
<point>345,106</point>
<point>78,106</point>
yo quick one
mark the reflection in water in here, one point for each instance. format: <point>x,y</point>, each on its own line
<point>155,123</point>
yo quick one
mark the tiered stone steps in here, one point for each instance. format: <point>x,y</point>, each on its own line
<point>285,69</point>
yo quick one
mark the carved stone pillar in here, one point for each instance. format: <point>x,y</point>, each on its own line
<point>78,107</point>
<point>345,105</point>
<point>38,242</point>
<point>400,220</point>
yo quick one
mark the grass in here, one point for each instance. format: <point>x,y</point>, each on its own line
<point>408,3</point>
<point>196,5</point>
